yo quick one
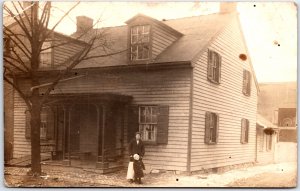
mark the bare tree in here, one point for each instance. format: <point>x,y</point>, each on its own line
<point>23,60</point>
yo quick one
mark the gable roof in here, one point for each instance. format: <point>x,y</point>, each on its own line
<point>196,32</point>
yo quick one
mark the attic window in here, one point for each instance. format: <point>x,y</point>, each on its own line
<point>140,42</point>
<point>214,67</point>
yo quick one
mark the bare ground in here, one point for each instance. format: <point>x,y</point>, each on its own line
<point>272,175</point>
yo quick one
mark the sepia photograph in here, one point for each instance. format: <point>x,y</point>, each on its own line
<point>149,94</point>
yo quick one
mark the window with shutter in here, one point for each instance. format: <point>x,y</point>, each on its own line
<point>244,131</point>
<point>153,123</point>
<point>211,128</point>
<point>214,67</point>
<point>246,82</point>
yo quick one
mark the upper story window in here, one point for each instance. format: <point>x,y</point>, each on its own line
<point>140,42</point>
<point>214,66</point>
<point>46,55</point>
<point>246,83</point>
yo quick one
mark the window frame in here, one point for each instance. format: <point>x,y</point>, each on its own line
<point>213,119</point>
<point>246,82</point>
<point>214,62</point>
<point>245,131</point>
<point>138,44</point>
<point>143,125</point>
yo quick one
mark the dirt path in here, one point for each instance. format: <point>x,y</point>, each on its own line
<point>277,175</point>
<point>279,180</point>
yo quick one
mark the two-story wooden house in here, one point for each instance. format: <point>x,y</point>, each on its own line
<point>186,84</point>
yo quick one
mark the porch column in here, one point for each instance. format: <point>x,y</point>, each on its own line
<point>102,164</point>
<point>69,137</point>
<point>98,129</point>
<point>103,131</point>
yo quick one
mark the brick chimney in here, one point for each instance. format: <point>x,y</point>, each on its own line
<point>84,24</point>
<point>228,7</point>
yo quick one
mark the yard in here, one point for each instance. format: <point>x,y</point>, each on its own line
<point>272,175</point>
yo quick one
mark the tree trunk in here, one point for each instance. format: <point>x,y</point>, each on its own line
<point>35,135</point>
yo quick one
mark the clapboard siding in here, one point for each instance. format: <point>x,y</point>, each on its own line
<point>227,100</point>
<point>166,87</point>
<point>161,39</point>
<point>62,52</point>
<point>21,144</point>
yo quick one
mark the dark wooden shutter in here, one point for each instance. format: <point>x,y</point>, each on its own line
<point>249,83</point>
<point>207,127</point>
<point>27,124</point>
<point>217,127</point>
<point>133,122</point>
<point>244,82</point>
<point>242,130</point>
<point>247,131</point>
<point>50,124</point>
<point>162,124</point>
<point>209,65</point>
<point>219,68</point>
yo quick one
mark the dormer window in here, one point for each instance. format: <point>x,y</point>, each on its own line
<point>140,42</point>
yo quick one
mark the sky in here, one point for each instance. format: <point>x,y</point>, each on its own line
<point>270,28</point>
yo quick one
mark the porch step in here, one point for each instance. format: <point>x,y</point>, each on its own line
<point>24,161</point>
<point>108,170</point>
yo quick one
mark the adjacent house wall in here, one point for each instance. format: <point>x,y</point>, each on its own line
<point>228,101</point>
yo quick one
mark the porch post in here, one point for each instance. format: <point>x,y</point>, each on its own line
<point>102,164</point>
<point>103,131</point>
<point>98,130</point>
<point>69,137</point>
<point>64,132</point>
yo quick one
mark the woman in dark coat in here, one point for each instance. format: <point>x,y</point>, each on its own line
<point>136,151</point>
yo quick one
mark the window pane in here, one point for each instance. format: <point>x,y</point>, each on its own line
<point>133,52</point>
<point>134,30</point>
<point>140,52</point>
<point>140,30</point>
<point>145,51</point>
<point>142,115</point>
<point>145,38</point>
<point>134,39</point>
<point>146,29</point>
<point>154,114</point>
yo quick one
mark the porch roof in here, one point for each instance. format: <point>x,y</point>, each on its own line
<point>88,98</point>
<point>264,123</point>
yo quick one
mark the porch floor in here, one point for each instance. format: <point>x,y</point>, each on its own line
<point>88,165</point>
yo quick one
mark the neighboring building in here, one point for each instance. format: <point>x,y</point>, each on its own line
<point>186,84</point>
<point>277,102</point>
<point>266,139</point>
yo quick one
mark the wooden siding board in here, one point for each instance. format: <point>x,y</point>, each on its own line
<point>228,101</point>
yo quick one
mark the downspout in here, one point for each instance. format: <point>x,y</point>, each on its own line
<point>189,150</point>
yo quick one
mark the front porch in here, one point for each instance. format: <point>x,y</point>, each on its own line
<point>88,130</point>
